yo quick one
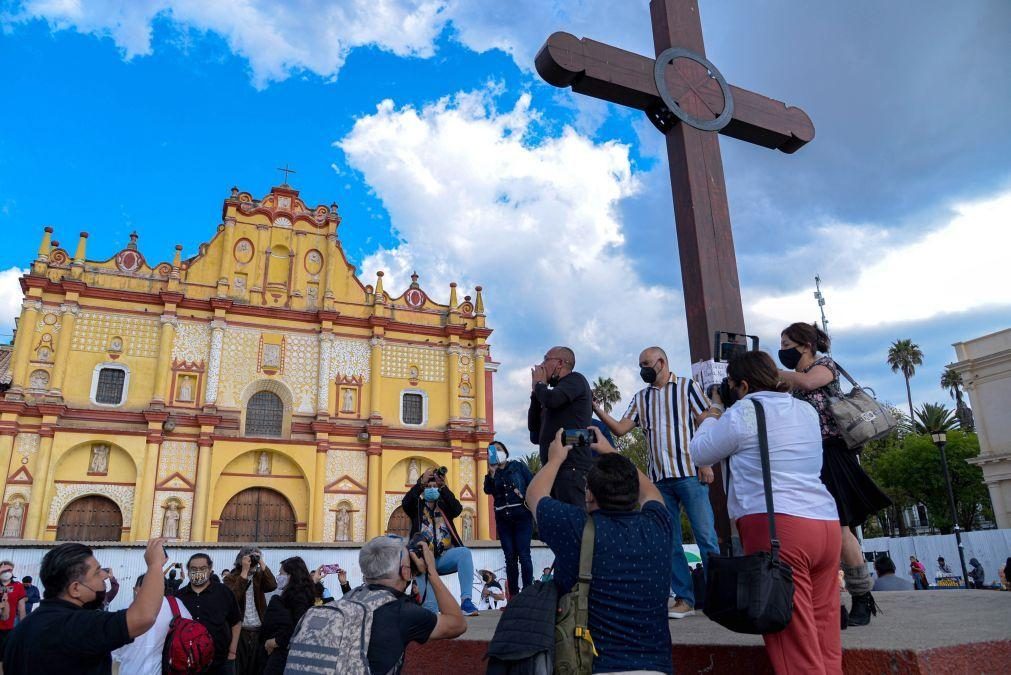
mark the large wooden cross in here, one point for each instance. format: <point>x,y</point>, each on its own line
<point>686,98</point>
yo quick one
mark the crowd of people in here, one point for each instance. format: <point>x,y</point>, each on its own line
<point>252,619</point>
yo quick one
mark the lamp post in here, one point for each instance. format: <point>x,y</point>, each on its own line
<point>940,438</point>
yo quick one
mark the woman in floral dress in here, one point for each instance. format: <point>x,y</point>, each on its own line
<point>814,377</point>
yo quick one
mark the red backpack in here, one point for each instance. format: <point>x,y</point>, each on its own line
<point>188,648</point>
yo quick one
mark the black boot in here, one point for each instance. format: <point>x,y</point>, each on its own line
<point>863,607</point>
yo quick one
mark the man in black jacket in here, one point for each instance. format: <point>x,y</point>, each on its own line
<point>432,506</point>
<point>560,399</point>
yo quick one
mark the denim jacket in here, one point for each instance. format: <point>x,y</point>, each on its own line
<point>509,480</point>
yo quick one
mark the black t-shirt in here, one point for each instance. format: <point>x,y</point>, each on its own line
<point>394,625</point>
<point>61,637</point>
<point>565,406</point>
<point>215,607</point>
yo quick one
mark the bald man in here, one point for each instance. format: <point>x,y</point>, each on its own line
<point>665,410</point>
<point>560,399</point>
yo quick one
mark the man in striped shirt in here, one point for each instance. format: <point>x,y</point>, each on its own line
<point>665,410</point>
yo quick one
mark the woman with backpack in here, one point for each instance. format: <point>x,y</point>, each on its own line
<point>815,379</point>
<point>507,482</point>
<point>297,595</point>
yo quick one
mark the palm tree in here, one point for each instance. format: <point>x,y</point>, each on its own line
<point>904,356</point>
<point>934,417</point>
<point>952,381</point>
<point>605,393</point>
<point>533,461</point>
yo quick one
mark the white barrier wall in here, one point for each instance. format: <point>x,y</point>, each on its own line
<point>991,547</point>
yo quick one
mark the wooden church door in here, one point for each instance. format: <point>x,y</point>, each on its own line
<point>257,515</point>
<point>91,518</point>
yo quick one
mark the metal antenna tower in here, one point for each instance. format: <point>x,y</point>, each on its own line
<point>821,303</point>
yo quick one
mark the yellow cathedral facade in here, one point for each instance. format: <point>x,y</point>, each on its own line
<point>257,391</point>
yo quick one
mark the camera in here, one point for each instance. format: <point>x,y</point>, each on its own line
<point>442,471</point>
<point>416,546</point>
<point>727,394</point>
<point>579,438</point>
<point>254,560</point>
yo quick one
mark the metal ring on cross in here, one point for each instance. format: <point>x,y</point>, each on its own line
<point>667,57</point>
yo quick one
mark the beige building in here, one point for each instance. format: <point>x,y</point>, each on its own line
<point>985,366</point>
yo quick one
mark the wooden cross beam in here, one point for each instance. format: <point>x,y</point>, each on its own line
<point>694,86</point>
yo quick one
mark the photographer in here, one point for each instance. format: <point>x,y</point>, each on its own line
<point>560,399</point>
<point>665,410</point>
<point>507,482</point>
<point>250,581</point>
<point>432,506</point>
<point>806,518</point>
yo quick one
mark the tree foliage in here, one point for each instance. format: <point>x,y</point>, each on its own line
<point>932,418</point>
<point>605,392</point>
<point>904,356</point>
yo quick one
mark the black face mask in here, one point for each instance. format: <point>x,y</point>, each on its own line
<point>647,374</point>
<point>789,357</point>
<point>553,380</point>
<point>98,601</point>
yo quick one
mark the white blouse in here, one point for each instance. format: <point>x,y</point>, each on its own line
<point>795,454</point>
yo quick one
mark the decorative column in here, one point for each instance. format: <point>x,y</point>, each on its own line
<point>317,500</point>
<point>201,525</point>
<point>454,468</point>
<point>262,253</point>
<point>227,258</point>
<point>77,266</point>
<point>374,510</point>
<point>480,418</point>
<point>375,382</point>
<point>214,365</point>
<point>41,264</point>
<point>453,361</point>
<point>36,518</point>
<point>330,253</point>
<point>481,469</point>
<point>323,376</point>
<point>164,366</point>
<point>69,312</point>
<point>143,501</point>
<point>6,450</point>
<point>297,268</point>
<point>23,344</point>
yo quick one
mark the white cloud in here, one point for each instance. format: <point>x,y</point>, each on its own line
<point>477,198</point>
<point>10,300</point>
<point>955,268</point>
<point>277,38</point>
<point>281,38</point>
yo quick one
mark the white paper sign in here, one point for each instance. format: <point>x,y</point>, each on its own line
<point>708,373</point>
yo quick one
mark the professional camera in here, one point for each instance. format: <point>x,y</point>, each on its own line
<point>727,394</point>
<point>442,471</point>
<point>416,546</point>
<point>579,438</point>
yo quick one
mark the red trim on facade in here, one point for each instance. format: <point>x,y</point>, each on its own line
<point>168,479</point>
<point>331,487</point>
<point>91,482</point>
<point>261,475</point>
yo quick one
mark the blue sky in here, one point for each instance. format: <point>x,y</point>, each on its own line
<point>424,120</point>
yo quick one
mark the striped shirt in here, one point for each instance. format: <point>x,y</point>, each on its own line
<point>666,416</point>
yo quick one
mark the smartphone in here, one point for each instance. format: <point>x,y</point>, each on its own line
<point>579,438</point>
<point>332,569</point>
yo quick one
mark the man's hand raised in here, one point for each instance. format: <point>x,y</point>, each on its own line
<point>154,555</point>
<point>556,451</point>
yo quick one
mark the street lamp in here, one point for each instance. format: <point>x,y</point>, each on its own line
<point>940,438</point>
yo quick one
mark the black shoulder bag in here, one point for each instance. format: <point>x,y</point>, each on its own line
<point>752,593</point>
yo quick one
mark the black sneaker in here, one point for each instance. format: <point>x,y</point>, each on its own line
<point>863,608</point>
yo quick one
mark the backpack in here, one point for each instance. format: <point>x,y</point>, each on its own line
<point>334,639</point>
<point>188,646</point>
<point>574,648</point>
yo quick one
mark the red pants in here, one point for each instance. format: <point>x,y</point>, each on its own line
<point>811,643</point>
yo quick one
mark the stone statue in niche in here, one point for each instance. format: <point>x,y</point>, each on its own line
<point>39,380</point>
<point>99,459</point>
<point>349,401</point>
<point>12,521</point>
<point>263,465</point>
<point>240,284</point>
<point>44,354</point>
<point>412,472</point>
<point>465,410</point>
<point>468,526</point>
<point>272,356</point>
<point>185,389</point>
<point>343,532</point>
<point>170,523</point>
<point>413,372</point>
<point>116,344</point>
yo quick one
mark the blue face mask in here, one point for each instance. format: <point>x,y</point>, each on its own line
<point>431,494</point>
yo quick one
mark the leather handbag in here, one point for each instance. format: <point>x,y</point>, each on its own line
<point>752,593</point>
<point>859,417</point>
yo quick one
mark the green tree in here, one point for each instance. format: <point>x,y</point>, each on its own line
<point>932,418</point>
<point>904,356</point>
<point>871,460</point>
<point>605,393</point>
<point>952,381</point>
<point>914,469</point>
<point>533,461</point>
<point>633,446</point>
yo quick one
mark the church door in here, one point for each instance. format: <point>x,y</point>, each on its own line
<point>399,523</point>
<point>257,515</point>
<point>91,518</point>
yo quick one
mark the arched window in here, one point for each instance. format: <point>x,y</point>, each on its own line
<point>264,414</point>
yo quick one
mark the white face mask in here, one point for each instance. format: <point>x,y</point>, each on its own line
<point>282,581</point>
<point>108,585</point>
<point>6,577</point>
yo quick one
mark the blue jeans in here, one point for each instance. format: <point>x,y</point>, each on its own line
<point>457,560</point>
<point>515,528</point>
<point>694,497</point>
